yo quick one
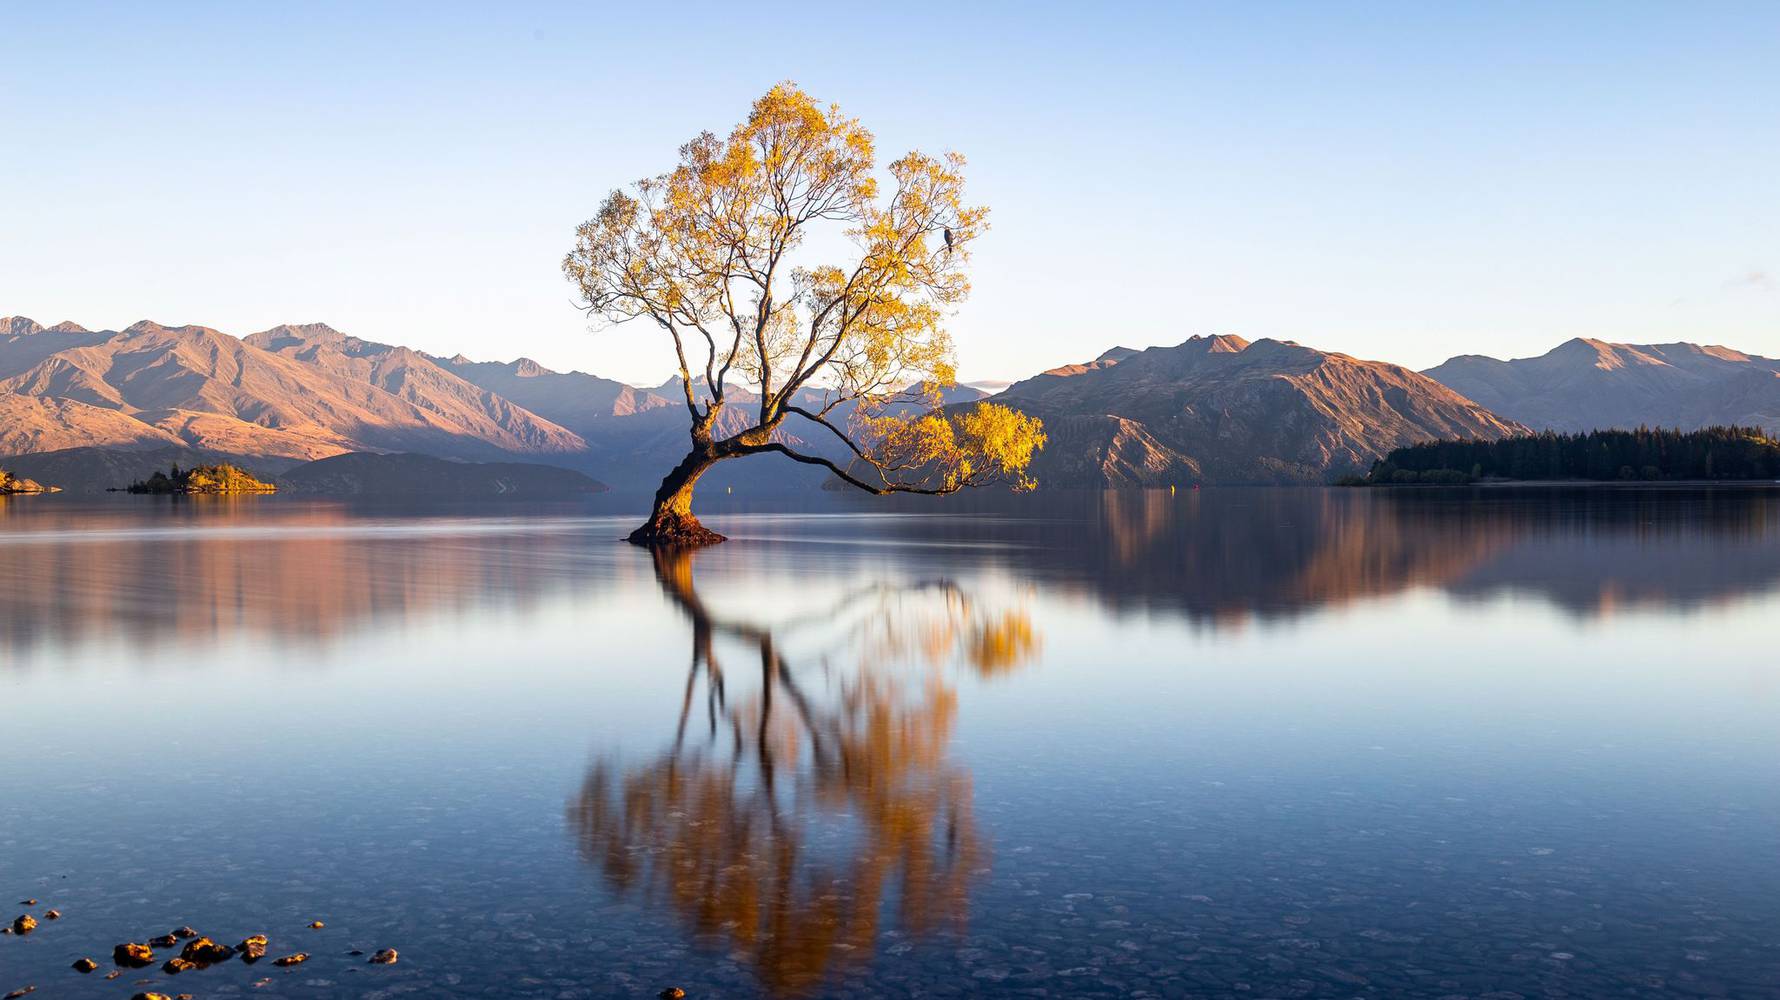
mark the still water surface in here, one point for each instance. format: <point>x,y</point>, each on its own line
<point>1266,743</point>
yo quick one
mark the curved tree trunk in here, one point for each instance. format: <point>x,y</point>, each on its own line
<point>671,524</point>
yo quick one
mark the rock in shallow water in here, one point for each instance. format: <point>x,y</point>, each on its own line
<point>206,951</point>
<point>25,924</point>
<point>133,955</point>
<point>164,941</point>
<point>252,949</point>
<point>298,959</point>
<point>85,965</point>
<point>175,966</point>
<point>387,956</point>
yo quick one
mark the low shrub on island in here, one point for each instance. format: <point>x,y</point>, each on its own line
<point>206,479</point>
<point>1645,454</point>
<point>11,484</point>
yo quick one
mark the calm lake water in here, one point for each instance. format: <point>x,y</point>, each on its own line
<point>1269,743</point>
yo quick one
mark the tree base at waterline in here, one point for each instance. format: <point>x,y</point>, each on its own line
<point>674,531</point>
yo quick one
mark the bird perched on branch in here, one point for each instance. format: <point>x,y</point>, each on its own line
<point>948,231</point>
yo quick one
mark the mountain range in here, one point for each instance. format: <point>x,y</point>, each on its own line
<point>1583,384</point>
<point>87,406</point>
<point>1225,410</point>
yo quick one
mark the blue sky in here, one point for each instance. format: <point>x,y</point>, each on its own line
<point>1396,181</point>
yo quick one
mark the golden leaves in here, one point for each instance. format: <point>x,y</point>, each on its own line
<point>713,252</point>
<point>945,451</point>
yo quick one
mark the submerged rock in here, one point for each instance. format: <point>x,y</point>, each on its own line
<point>164,941</point>
<point>27,902</point>
<point>85,965</point>
<point>52,914</point>
<point>298,959</point>
<point>25,924</point>
<point>15,994</point>
<point>672,993</point>
<point>132,955</point>
<point>387,956</point>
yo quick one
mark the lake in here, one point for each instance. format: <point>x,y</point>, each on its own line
<point>1270,743</point>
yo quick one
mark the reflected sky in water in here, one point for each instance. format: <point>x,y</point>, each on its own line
<point>1274,742</point>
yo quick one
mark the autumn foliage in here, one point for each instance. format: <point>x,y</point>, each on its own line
<point>717,255</point>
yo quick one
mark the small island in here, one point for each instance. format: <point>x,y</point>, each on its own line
<point>11,485</point>
<point>202,479</point>
<point>1642,455</point>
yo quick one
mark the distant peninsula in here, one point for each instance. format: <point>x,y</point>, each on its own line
<point>11,485</point>
<point>202,479</point>
<point>1641,455</point>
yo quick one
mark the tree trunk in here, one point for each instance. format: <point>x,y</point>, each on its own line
<point>671,524</point>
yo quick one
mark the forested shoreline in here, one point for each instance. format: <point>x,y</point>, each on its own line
<point>1642,455</point>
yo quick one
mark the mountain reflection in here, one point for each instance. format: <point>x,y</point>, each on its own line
<point>199,573</point>
<point>782,820</point>
<point>182,575</point>
<point>1222,557</point>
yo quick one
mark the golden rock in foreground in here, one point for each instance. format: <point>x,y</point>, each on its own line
<point>133,955</point>
<point>206,951</point>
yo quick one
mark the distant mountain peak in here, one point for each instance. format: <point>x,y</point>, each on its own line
<point>308,331</point>
<point>1116,354</point>
<point>1223,343</point>
<point>1585,383</point>
<point>18,326</point>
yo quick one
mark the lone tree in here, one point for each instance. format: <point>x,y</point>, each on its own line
<point>714,253</point>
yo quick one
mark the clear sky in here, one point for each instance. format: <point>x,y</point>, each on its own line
<point>1396,181</point>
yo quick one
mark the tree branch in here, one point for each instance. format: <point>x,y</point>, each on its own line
<point>881,489</point>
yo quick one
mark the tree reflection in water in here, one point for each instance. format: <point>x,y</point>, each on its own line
<point>783,822</point>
